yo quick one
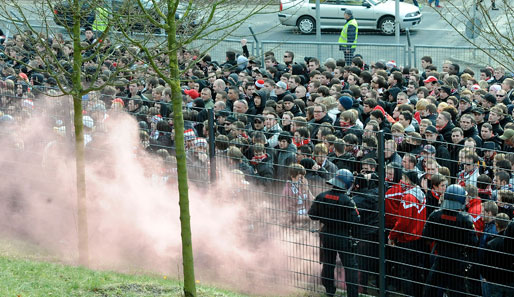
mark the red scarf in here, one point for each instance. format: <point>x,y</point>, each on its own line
<point>487,191</point>
<point>304,142</point>
<point>435,195</point>
<point>258,159</point>
<point>346,126</point>
<point>441,128</point>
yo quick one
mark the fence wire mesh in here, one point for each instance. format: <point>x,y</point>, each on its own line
<point>286,172</point>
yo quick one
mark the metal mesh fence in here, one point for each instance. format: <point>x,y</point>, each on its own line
<point>471,57</point>
<point>370,52</point>
<point>387,229</point>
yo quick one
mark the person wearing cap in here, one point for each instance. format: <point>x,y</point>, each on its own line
<point>442,154</point>
<point>339,218</point>
<point>478,113</point>
<point>348,36</point>
<point>289,105</point>
<point>508,140</point>
<point>453,232</point>
<point>406,234</point>
<point>432,84</point>
<point>488,100</point>
<point>465,105</point>
<point>281,90</point>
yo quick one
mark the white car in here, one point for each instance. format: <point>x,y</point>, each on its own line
<point>370,14</point>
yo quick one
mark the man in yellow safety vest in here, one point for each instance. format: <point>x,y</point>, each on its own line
<point>101,20</point>
<point>348,36</point>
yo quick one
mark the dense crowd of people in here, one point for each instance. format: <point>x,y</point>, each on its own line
<point>293,125</point>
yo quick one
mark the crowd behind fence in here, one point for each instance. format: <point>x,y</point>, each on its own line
<point>411,186</point>
<point>453,254</point>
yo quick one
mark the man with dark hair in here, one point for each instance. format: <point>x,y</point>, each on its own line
<point>444,125</point>
<point>285,155</point>
<point>339,217</point>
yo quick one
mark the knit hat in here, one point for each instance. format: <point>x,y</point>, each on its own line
<point>119,100</point>
<point>233,79</point>
<point>259,84</point>
<point>475,87</point>
<point>200,142</point>
<point>192,93</point>
<point>346,102</point>
<point>391,64</point>
<point>431,129</point>
<point>156,118</point>
<point>189,134</point>
<point>288,98</point>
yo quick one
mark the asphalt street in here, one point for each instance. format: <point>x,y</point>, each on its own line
<point>432,31</point>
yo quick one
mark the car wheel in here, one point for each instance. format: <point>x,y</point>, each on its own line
<point>386,25</point>
<point>306,25</point>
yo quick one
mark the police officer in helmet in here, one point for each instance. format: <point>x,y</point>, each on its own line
<point>339,215</point>
<point>453,232</point>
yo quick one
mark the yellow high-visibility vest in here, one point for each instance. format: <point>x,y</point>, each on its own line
<point>343,38</point>
<point>101,19</point>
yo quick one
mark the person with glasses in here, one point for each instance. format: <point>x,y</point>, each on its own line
<point>288,58</point>
<point>501,96</point>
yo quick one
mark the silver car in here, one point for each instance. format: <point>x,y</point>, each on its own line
<point>370,14</point>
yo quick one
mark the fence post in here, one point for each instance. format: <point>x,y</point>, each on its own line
<point>256,41</point>
<point>415,57</point>
<point>381,215</point>
<point>212,147</point>
<point>407,31</point>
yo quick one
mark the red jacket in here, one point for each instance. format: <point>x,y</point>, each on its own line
<point>474,208</point>
<point>393,196</point>
<point>412,215</point>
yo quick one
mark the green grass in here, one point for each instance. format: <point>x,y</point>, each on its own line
<point>27,271</point>
<point>19,277</point>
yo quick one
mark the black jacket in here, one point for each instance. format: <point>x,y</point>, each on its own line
<point>446,132</point>
<point>452,231</point>
<point>263,171</point>
<point>498,263</point>
<point>336,211</point>
<point>367,204</point>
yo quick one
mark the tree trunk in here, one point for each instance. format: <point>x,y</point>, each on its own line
<point>83,245</point>
<point>178,122</point>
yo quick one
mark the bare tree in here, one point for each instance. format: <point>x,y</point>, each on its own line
<point>74,64</point>
<point>215,18</point>
<point>491,31</point>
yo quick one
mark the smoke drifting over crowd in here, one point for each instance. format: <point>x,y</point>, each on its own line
<point>133,213</point>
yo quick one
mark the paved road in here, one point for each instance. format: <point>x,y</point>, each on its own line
<point>432,31</point>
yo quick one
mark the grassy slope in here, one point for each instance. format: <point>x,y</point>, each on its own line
<point>20,277</point>
<point>22,273</point>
